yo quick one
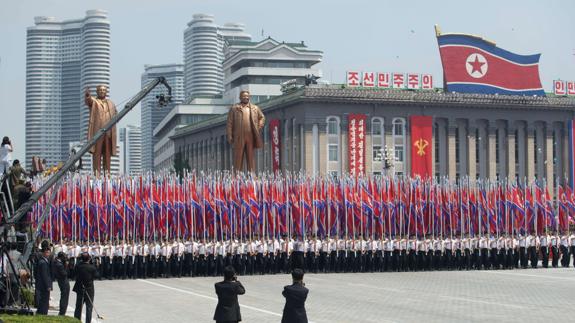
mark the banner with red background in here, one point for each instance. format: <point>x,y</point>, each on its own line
<point>276,142</point>
<point>356,140</point>
<point>421,139</point>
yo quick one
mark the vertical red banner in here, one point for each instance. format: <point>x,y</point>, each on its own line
<point>356,142</point>
<point>276,142</point>
<point>421,139</point>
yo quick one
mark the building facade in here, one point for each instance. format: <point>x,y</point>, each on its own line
<point>475,136</point>
<point>62,59</point>
<point>152,113</point>
<point>181,115</point>
<point>204,54</point>
<point>261,67</point>
<point>131,153</point>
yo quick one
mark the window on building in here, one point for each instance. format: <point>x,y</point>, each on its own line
<point>478,142</point>
<point>377,153</point>
<point>332,153</point>
<point>436,141</point>
<point>457,150</point>
<point>516,146</point>
<point>376,126</point>
<point>399,154</point>
<point>399,139</point>
<point>332,126</point>
<point>398,126</point>
<point>497,147</point>
<point>333,144</point>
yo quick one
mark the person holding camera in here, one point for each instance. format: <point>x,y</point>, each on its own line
<point>296,295</point>
<point>5,155</point>
<point>84,287</point>
<point>228,308</point>
<point>60,274</point>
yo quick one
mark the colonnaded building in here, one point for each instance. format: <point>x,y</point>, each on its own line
<point>474,135</point>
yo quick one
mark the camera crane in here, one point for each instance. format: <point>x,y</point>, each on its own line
<point>19,214</point>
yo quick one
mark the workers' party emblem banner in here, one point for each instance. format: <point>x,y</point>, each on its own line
<point>356,140</point>
<point>276,143</point>
<point>474,65</point>
<point>421,139</point>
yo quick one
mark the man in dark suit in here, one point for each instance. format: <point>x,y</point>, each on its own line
<point>295,294</point>
<point>60,273</point>
<point>84,287</point>
<point>228,308</point>
<point>43,281</point>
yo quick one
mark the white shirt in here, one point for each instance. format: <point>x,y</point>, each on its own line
<point>6,154</point>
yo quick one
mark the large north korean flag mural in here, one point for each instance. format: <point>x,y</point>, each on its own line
<point>474,65</point>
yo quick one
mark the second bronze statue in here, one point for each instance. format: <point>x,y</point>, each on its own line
<point>244,126</point>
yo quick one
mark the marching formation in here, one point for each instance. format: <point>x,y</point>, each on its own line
<point>181,258</point>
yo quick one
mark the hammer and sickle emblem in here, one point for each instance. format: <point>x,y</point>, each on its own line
<point>421,144</point>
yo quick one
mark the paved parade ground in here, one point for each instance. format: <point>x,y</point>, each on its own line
<point>528,295</point>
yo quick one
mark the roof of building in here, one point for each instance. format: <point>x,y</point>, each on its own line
<point>340,93</point>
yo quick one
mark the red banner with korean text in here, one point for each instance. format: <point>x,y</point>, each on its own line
<point>356,140</point>
<point>276,142</point>
<point>421,139</point>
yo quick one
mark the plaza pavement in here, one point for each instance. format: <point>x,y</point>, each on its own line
<point>530,295</point>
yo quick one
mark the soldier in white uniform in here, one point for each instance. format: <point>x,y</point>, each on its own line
<point>493,252</point>
<point>564,248</point>
<point>532,242</point>
<point>522,251</point>
<point>501,252</point>
<point>202,261</point>
<point>554,245</point>
<point>544,249</point>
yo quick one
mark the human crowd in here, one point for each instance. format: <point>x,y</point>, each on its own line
<point>191,258</point>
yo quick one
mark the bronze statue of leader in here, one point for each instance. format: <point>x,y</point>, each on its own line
<point>102,110</point>
<point>245,123</point>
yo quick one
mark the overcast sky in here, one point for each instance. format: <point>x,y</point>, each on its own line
<point>361,35</point>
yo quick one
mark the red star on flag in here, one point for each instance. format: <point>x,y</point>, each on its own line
<point>476,65</point>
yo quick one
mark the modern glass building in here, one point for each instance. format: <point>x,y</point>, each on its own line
<point>131,139</point>
<point>152,114</point>
<point>62,59</point>
<point>204,54</point>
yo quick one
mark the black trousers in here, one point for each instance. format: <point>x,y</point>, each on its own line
<point>533,257</point>
<point>493,258</point>
<point>80,300</point>
<point>458,259</point>
<point>64,286</point>
<point>467,259</point>
<point>43,299</point>
<point>522,257</point>
<point>564,256</point>
<point>484,258</point>
<point>341,261</point>
<point>509,259</point>
<point>501,259</point>
<point>544,256</point>
<point>554,256</point>
<point>332,261</point>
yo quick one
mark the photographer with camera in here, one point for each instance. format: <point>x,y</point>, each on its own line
<point>295,294</point>
<point>60,274</point>
<point>6,150</point>
<point>228,308</point>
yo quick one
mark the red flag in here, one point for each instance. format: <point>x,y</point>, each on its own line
<point>421,139</point>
